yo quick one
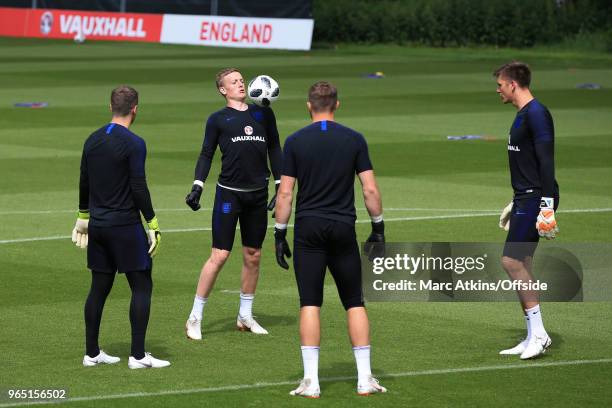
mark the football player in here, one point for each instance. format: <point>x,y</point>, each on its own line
<point>323,158</point>
<point>247,137</point>
<point>113,193</point>
<point>531,214</point>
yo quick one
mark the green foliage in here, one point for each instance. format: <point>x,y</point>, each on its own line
<point>519,23</point>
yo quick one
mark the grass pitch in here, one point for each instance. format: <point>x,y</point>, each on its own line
<point>427,354</point>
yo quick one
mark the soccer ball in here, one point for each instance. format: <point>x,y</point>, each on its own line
<point>79,38</point>
<point>263,90</point>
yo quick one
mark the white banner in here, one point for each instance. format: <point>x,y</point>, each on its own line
<point>244,32</point>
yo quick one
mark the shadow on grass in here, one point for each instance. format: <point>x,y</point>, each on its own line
<point>123,349</point>
<point>265,320</point>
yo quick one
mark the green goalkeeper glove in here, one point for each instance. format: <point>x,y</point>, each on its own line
<point>154,235</point>
<point>79,233</point>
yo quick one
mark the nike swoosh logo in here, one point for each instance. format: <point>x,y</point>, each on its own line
<point>228,119</point>
<point>149,364</point>
<point>521,213</point>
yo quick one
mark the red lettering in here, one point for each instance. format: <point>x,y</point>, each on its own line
<point>234,38</point>
<point>245,33</point>
<point>214,32</point>
<point>226,31</point>
<point>267,33</point>
<point>204,31</point>
<point>256,33</point>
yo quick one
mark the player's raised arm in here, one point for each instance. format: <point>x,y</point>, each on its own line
<point>209,145</point>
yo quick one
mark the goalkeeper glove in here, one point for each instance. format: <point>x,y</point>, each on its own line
<point>272,203</point>
<point>374,244</point>
<point>154,235</point>
<point>193,198</point>
<point>546,224</point>
<point>281,246</point>
<point>79,233</point>
<point>504,218</point>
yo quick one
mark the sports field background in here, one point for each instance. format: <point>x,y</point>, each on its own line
<point>433,190</point>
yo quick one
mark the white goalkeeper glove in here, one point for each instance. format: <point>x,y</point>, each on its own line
<point>504,218</point>
<point>154,235</point>
<point>546,224</point>
<point>79,233</point>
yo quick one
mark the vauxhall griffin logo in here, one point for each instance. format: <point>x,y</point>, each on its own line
<point>248,130</point>
<point>46,23</point>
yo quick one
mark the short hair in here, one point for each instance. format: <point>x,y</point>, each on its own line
<point>123,99</point>
<point>323,97</point>
<point>515,71</point>
<point>222,74</point>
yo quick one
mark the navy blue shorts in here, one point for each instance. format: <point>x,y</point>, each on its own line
<point>124,249</point>
<point>523,237</point>
<point>321,243</point>
<point>250,208</point>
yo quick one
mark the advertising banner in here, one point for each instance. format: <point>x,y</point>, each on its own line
<point>280,33</point>
<point>40,23</point>
<point>244,32</point>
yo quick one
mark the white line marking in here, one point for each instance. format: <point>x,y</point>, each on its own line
<point>33,212</point>
<point>396,219</point>
<point>240,387</point>
<point>394,209</point>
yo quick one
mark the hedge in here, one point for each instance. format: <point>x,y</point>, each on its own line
<point>518,23</point>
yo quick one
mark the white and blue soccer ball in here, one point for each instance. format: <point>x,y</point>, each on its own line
<point>263,90</point>
<point>79,37</point>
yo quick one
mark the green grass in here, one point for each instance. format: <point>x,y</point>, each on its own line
<point>426,95</point>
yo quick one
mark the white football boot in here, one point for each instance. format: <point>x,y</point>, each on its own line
<point>536,346</point>
<point>370,387</point>
<point>101,358</point>
<point>516,350</point>
<point>249,324</point>
<point>193,328</point>
<point>306,389</point>
<point>148,361</point>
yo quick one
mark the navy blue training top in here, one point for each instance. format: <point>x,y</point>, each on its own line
<point>531,152</point>
<point>246,139</point>
<point>324,158</point>
<point>113,183</point>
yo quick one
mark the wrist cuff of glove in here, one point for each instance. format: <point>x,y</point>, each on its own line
<point>376,218</point>
<point>199,183</point>
<point>280,233</point>
<point>83,214</point>
<point>153,224</point>
<point>547,203</point>
<point>278,226</point>
<point>378,227</point>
